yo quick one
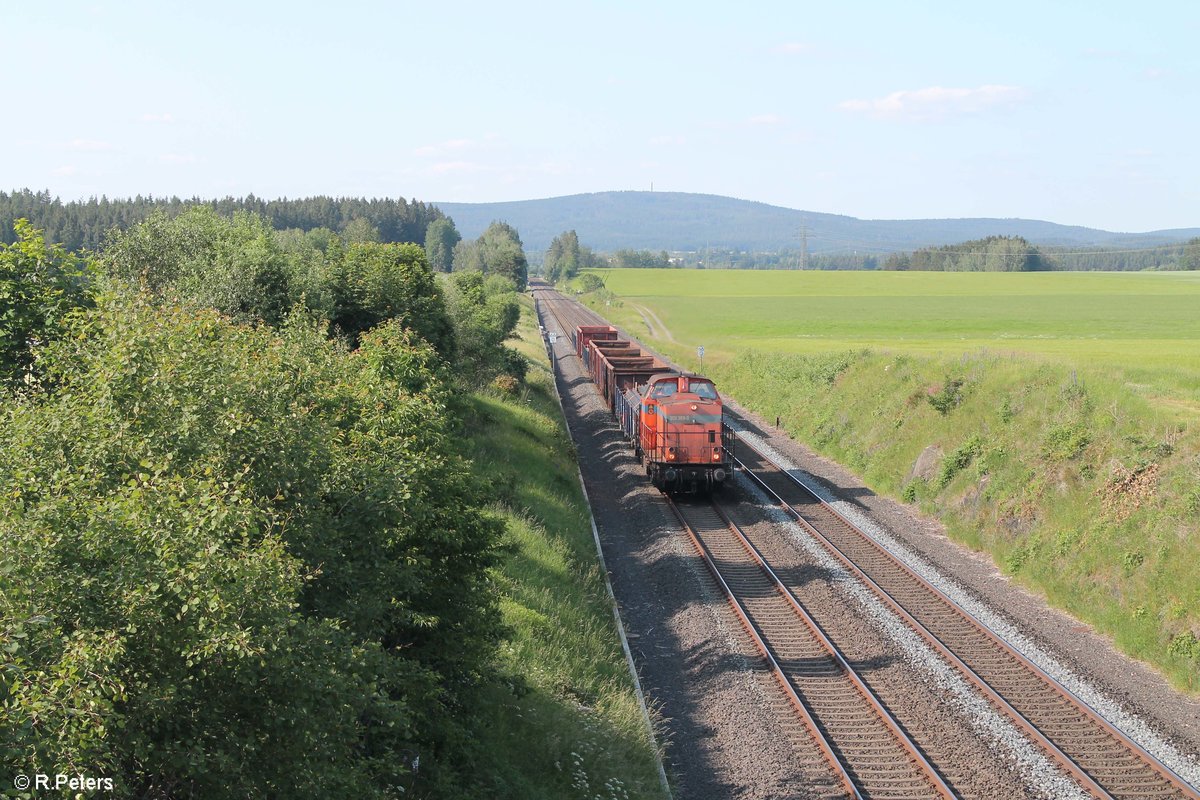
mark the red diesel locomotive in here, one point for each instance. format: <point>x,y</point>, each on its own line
<point>674,421</point>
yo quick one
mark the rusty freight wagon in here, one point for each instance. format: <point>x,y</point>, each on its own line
<point>675,422</point>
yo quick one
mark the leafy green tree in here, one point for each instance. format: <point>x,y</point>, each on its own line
<point>632,259</point>
<point>501,253</point>
<point>39,286</point>
<point>1191,255</point>
<point>590,282</point>
<point>467,257</point>
<point>440,240</point>
<point>563,257</point>
<point>233,265</point>
<point>373,283</point>
<point>360,230</point>
<point>993,254</point>
<point>485,312</point>
<point>311,258</point>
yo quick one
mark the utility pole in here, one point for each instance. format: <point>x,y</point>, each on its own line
<point>803,245</point>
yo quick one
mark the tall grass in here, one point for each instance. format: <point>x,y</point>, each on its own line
<point>1078,490</point>
<point>568,723</point>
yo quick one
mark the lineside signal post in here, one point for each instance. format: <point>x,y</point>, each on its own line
<point>700,352</point>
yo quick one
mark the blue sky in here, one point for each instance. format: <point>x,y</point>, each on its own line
<point>1078,113</point>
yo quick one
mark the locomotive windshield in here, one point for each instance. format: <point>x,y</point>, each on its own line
<point>704,390</point>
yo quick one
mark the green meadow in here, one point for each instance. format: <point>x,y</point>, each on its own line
<point>1058,414</point>
<point>1144,325</point>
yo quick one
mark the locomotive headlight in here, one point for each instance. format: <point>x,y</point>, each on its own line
<point>716,454</point>
<point>670,454</point>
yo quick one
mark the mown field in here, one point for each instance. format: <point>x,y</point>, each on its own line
<point>1059,414</point>
<point>1146,326</point>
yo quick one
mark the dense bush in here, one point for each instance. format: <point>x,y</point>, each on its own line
<point>245,270</point>
<point>497,251</point>
<point>374,282</point>
<point>39,285</point>
<point>485,313</point>
<point>232,265</point>
<point>235,559</point>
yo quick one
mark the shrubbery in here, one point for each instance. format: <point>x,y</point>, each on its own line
<point>39,285</point>
<point>242,559</point>
<point>485,313</point>
<point>237,562</point>
<point>232,265</point>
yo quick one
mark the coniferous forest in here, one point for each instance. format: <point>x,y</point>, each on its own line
<point>85,224</point>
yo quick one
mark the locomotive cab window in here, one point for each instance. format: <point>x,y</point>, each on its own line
<point>664,389</point>
<point>704,390</point>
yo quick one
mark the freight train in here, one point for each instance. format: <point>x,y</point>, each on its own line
<point>674,421</point>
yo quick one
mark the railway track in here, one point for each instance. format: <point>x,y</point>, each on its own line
<point>1100,759</point>
<point>867,752</point>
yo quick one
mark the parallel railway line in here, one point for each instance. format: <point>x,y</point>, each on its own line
<point>1104,761</point>
<point>862,743</point>
<point>1100,759</point>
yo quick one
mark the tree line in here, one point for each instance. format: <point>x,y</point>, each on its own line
<point>565,258</point>
<point>992,254</point>
<point>1015,254</point>
<point>244,554</point>
<point>85,224</point>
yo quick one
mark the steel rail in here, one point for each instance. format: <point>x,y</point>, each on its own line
<point>1175,782</point>
<point>1069,763</point>
<point>888,721</point>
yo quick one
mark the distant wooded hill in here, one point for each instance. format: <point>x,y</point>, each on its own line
<point>675,221</point>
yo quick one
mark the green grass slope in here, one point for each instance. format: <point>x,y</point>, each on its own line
<point>1076,465</point>
<point>568,724</point>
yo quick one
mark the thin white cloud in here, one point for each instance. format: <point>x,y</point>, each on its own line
<point>88,145</point>
<point>177,158</point>
<point>667,140</point>
<point>1154,73</point>
<point>793,48</point>
<point>161,119</point>
<point>765,119</point>
<point>65,171</point>
<point>443,147</point>
<point>937,102</point>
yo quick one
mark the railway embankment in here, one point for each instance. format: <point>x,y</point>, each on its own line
<point>1130,696</point>
<point>568,722</point>
<point>1078,487</point>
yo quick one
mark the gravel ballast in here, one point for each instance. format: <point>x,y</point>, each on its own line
<point>725,731</point>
